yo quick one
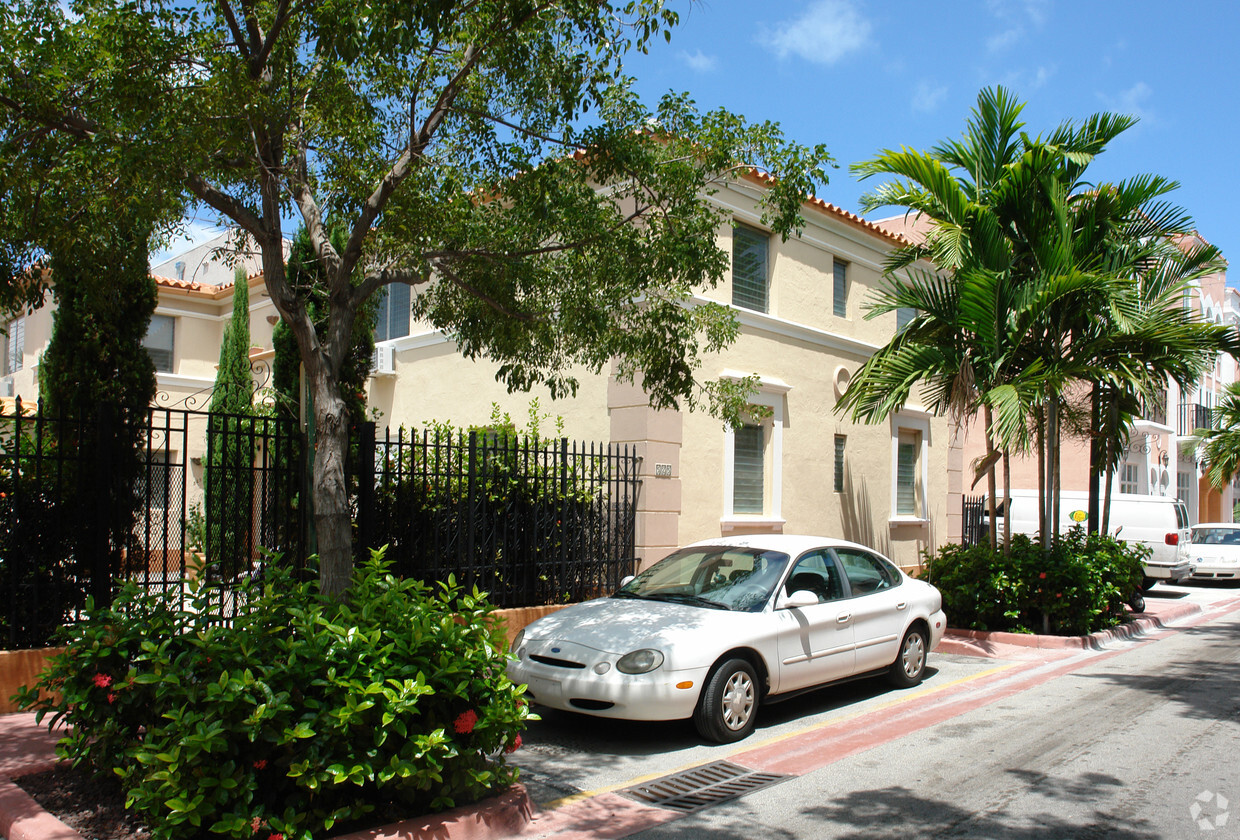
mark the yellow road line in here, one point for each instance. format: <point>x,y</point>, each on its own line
<point>590,794</point>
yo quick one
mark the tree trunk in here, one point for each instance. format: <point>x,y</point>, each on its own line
<point>1056,451</point>
<point>990,485</point>
<point>1099,435</point>
<point>1007,494</point>
<point>332,518</point>
<point>1042,489</point>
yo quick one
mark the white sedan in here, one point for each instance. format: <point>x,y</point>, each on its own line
<point>1215,548</point>
<point>717,627</point>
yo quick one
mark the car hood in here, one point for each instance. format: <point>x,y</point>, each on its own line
<point>620,625</point>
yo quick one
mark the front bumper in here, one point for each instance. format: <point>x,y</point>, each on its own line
<point>1171,572</point>
<point>573,683</point>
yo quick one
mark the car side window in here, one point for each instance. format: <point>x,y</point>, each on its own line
<point>866,573</point>
<point>815,572</point>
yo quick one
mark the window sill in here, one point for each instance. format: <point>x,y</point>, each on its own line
<point>908,521</point>
<point>751,524</point>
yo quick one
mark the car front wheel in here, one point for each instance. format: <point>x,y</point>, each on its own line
<point>728,707</point>
<point>910,665</point>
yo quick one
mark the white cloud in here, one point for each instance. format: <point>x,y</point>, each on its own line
<point>825,33</point>
<point>927,96</point>
<point>1005,39</point>
<point>1133,101</point>
<point>698,61</point>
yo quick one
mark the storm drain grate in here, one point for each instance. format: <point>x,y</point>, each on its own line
<point>702,787</point>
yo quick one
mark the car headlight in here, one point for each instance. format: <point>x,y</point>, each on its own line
<point>518,640</point>
<point>640,661</point>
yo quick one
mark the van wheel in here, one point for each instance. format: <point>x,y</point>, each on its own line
<point>1137,602</point>
<point>727,711</point>
<point>910,665</point>
<point>1147,583</point>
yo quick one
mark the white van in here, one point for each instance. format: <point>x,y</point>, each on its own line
<point>1158,522</point>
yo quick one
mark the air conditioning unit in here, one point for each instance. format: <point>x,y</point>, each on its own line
<point>383,362</point>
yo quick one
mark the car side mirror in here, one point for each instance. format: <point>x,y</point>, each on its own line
<point>624,581</point>
<point>800,598</point>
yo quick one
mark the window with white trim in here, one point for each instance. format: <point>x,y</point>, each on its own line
<point>910,436</point>
<point>839,288</point>
<point>14,346</point>
<point>750,268</point>
<point>1129,479</point>
<point>160,342</point>
<point>752,459</point>
<point>394,307</point>
<point>1182,484</point>
<point>904,316</point>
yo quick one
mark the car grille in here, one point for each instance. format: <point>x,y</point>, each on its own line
<point>556,663</point>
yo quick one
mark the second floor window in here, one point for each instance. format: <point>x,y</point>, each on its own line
<point>749,269</point>
<point>14,346</point>
<point>394,305</point>
<point>839,289</point>
<point>160,342</point>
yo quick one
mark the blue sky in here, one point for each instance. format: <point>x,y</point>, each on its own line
<point>863,76</point>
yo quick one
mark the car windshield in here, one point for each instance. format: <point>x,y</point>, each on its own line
<point>1216,536</point>
<point>715,577</point>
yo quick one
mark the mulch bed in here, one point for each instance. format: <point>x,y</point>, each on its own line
<point>94,808</point>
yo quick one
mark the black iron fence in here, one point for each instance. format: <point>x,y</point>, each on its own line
<point>973,524</point>
<point>87,502</point>
<point>530,521</point>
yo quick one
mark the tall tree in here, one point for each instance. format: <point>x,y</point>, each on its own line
<point>489,154</point>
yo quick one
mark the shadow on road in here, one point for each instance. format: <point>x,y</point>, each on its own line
<point>897,812</point>
<point>1206,683</point>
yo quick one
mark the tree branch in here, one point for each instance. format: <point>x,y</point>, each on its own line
<point>227,205</point>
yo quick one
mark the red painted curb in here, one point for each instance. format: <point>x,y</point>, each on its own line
<point>21,818</point>
<point>1144,623</point>
<point>501,816</point>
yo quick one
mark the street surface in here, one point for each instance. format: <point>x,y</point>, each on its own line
<point>1139,740</point>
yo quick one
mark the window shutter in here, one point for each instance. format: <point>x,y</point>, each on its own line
<point>840,291</point>
<point>748,470</point>
<point>906,487</point>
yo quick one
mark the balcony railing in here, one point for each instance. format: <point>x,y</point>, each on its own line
<point>1155,409</point>
<point>1193,417</point>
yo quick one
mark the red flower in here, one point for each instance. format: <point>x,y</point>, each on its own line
<point>514,746</point>
<point>465,722</point>
<point>111,697</point>
<point>256,824</point>
<point>1042,575</point>
<point>275,836</point>
<point>103,680</point>
<point>261,764</point>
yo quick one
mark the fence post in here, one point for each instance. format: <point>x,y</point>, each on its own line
<point>365,468</point>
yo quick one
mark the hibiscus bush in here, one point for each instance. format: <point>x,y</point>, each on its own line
<point>1081,585</point>
<point>301,716</point>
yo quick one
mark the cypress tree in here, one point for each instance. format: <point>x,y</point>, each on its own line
<point>230,445</point>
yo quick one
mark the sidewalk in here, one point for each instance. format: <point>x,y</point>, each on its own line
<point>27,747</point>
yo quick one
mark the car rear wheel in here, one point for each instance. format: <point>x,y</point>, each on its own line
<point>910,665</point>
<point>728,707</point>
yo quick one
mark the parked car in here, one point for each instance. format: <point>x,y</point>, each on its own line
<point>718,627</point>
<point>1216,548</point>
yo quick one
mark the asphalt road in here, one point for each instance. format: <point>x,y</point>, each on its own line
<point>1141,740</point>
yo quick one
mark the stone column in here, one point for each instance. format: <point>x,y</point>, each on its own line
<point>657,437</point>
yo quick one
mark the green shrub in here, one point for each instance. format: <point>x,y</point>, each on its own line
<point>303,714</point>
<point>1079,587</point>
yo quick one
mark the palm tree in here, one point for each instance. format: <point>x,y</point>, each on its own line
<point>1222,444</point>
<point>1053,283</point>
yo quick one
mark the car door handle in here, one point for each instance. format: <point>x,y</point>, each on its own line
<point>901,605</point>
<point>843,618</point>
